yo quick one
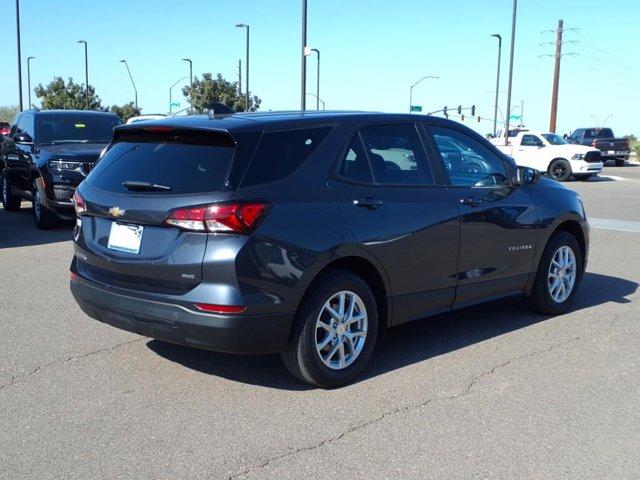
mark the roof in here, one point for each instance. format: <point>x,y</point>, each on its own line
<point>68,112</point>
<point>284,119</point>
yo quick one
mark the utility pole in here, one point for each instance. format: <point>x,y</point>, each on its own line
<point>19,53</point>
<point>513,45</point>
<point>303,73</point>
<point>556,79</point>
<point>495,107</point>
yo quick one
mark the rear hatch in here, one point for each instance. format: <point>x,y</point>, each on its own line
<point>145,174</point>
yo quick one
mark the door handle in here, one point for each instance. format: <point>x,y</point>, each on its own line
<point>368,202</point>
<point>472,202</point>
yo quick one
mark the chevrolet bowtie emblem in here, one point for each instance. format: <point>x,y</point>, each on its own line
<point>116,212</point>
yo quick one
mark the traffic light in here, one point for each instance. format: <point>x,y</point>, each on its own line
<point>459,109</point>
<point>462,118</point>
<point>473,110</point>
<point>479,119</point>
<point>444,110</point>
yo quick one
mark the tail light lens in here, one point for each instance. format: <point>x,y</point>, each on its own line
<point>218,217</point>
<point>79,204</point>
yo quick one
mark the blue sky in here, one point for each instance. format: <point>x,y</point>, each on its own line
<point>372,50</point>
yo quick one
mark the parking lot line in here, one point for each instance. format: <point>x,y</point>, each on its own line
<point>611,224</point>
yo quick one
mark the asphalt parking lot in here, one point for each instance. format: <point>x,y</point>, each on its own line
<point>492,391</point>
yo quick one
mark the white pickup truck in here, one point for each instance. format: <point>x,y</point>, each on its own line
<point>550,153</point>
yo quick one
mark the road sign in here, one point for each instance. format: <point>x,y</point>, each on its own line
<point>174,104</point>
<point>514,117</point>
<point>416,108</point>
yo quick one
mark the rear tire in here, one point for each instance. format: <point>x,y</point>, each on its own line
<point>560,170</point>
<point>544,297</point>
<point>326,350</point>
<point>620,162</point>
<point>10,202</point>
<point>42,216</point>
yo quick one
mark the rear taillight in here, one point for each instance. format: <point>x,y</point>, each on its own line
<point>78,204</point>
<point>218,217</point>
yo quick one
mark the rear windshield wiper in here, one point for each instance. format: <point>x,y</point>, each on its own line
<point>147,186</point>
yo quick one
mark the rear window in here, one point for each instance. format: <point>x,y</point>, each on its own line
<point>599,133</point>
<point>184,168</point>
<point>280,154</point>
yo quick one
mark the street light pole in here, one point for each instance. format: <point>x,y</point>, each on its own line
<point>303,76</point>
<point>171,95</point>
<point>190,80</point>
<point>318,99</point>
<point>513,43</point>
<point>86,70</point>
<point>19,53</point>
<point>246,107</point>
<point>411,89</point>
<point>29,79</point>
<point>495,109</point>
<point>317,80</point>
<point>132,83</point>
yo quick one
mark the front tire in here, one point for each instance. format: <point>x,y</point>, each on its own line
<point>42,216</point>
<point>559,275</point>
<point>335,331</point>
<point>10,202</point>
<point>560,170</point>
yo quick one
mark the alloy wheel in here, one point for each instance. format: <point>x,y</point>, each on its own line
<point>562,274</point>
<point>341,330</point>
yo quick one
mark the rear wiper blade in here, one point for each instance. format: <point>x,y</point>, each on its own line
<point>133,185</point>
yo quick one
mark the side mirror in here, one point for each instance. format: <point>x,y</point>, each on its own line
<point>565,136</point>
<point>526,176</point>
<point>22,138</point>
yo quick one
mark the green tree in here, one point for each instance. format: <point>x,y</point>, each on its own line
<point>67,96</point>
<point>126,111</point>
<point>210,90</point>
<point>7,112</point>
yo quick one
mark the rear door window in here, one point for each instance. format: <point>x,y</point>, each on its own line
<point>396,155</point>
<point>280,154</point>
<point>186,167</point>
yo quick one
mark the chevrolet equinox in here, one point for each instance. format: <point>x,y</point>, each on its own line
<point>309,234</point>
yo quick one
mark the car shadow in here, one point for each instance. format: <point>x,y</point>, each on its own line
<point>18,230</point>
<point>406,344</point>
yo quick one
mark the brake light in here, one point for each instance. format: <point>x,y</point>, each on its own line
<point>218,217</point>
<point>211,308</point>
<point>79,204</point>
<point>157,129</point>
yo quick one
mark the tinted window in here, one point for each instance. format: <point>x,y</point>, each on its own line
<point>280,154</point>
<point>76,128</point>
<point>468,161</point>
<point>185,168</point>
<point>531,141</point>
<point>554,139</point>
<point>355,166</point>
<point>396,155</point>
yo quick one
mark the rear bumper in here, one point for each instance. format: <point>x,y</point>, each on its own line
<point>613,154</point>
<point>266,333</point>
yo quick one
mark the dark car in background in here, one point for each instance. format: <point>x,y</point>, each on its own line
<point>46,155</point>
<point>612,148</point>
<point>310,233</point>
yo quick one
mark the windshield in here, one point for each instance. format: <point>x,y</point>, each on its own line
<point>78,128</point>
<point>554,139</point>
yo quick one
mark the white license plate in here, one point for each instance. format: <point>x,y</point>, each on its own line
<point>611,152</point>
<point>125,238</point>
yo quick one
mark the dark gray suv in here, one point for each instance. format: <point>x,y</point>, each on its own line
<point>310,233</point>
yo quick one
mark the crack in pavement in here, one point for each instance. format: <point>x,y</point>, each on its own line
<point>17,379</point>
<point>399,410</point>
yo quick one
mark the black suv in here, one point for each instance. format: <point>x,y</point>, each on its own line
<point>310,233</point>
<point>47,154</point>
